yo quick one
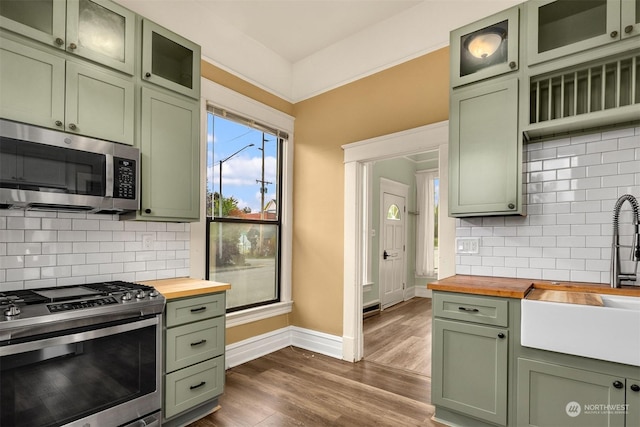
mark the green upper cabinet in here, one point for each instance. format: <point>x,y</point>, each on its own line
<point>43,89</point>
<point>169,60</point>
<point>485,150</point>
<point>563,27</point>
<point>32,85</point>
<point>170,151</point>
<point>99,103</point>
<point>486,48</point>
<point>98,30</point>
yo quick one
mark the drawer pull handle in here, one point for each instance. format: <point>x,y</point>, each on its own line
<point>193,344</point>
<point>618,384</point>
<point>501,335</point>
<point>193,387</point>
<point>199,309</point>
<point>635,387</point>
<point>471,310</point>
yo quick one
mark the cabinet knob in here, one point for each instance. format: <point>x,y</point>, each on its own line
<point>501,335</point>
<point>147,74</point>
<point>511,206</point>
<point>635,387</point>
<point>618,384</point>
<point>73,46</point>
<point>72,126</point>
<point>58,123</point>
<point>147,211</point>
<point>59,41</point>
<point>628,29</point>
<point>512,65</point>
<point>614,34</point>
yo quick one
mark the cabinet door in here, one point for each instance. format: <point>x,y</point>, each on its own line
<point>42,20</point>
<point>170,60</point>
<point>189,387</point>
<point>486,48</point>
<point>633,402</point>
<point>99,104</point>
<point>469,372</point>
<point>32,85</point>
<point>485,150</point>
<point>553,395</point>
<point>630,16</point>
<point>170,157</point>
<point>101,31</point>
<point>562,27</point>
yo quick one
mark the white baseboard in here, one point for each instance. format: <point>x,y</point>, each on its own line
<point>261,345</point>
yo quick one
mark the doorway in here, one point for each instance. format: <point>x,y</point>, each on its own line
<point>357,239</point>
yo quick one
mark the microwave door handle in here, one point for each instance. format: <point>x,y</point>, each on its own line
<point>108,189</point>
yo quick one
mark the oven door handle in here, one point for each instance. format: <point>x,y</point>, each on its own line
<point>76,337</point>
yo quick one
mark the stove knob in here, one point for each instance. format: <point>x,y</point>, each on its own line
<point>12,310</point>
<point>153,294</point>
<point>140,295</point>
<point>127,296</point>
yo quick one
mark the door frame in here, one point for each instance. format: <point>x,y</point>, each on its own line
<point>357,157</point>
<point>398,189</point>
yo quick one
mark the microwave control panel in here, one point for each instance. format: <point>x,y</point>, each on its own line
<point>124,178</point>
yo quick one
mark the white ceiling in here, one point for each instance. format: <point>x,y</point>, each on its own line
<point>296,49</point>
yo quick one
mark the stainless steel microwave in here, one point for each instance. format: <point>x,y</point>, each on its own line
<point>43,169</point>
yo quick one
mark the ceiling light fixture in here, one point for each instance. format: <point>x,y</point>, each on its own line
<point>485,43</point>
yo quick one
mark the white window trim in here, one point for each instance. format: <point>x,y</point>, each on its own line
<point>226,98</point>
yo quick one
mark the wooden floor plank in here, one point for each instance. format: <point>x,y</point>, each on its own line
<point>296,387</point>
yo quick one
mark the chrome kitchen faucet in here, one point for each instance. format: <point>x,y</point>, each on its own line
<point>616,275</point>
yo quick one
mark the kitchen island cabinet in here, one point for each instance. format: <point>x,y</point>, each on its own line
<point>194,348</point>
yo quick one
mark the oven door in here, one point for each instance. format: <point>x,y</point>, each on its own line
<point>105,376</point>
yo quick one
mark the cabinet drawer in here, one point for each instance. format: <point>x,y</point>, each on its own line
<point>194,385</point>
<point>485,310</point>
<point>193,309</point>
<point>193,343</point>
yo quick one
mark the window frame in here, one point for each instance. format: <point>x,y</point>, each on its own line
<point>227,99</point>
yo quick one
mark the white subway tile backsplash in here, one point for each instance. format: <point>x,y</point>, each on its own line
<point>42,249</point>
<point>572,185</point>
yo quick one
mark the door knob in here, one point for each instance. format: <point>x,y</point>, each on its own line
<point>385,255</point>
<point>618,384</point>
<point>635,387</point>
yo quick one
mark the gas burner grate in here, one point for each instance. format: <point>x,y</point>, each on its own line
<point>116,286</point>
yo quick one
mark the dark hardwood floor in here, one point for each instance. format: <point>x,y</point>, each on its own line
<point>295,387</point>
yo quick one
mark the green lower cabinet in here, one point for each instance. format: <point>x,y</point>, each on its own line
<point>554,395</point>
<point>470,369</point>
<point>633,402</point>
<point>189,387</point>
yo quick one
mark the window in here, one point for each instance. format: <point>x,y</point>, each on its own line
<point>244,212</point>
<point>428,196</point>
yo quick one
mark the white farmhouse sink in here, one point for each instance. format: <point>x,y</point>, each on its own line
<point>611,332</point>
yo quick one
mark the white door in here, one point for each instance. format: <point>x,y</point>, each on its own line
<point>392,263</point>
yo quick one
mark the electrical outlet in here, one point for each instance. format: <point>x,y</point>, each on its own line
<point>467,245</point>
<point>147,242</point>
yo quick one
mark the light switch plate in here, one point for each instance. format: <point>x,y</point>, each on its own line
<point>467,245</point>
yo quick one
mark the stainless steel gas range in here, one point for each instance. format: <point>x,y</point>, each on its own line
<point>87,355</point>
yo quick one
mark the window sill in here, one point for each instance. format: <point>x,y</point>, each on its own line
<point>258,313</point>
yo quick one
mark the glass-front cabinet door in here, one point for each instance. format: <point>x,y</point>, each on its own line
<point>101,31</point>
<point>562,27</point>
<point>486,48</point>
<point>630,18</point>
<point>42,20</point>
<point>170,60</point>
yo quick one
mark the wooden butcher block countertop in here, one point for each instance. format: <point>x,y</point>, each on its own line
<point>186,287</point>
<point>520,288</point>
